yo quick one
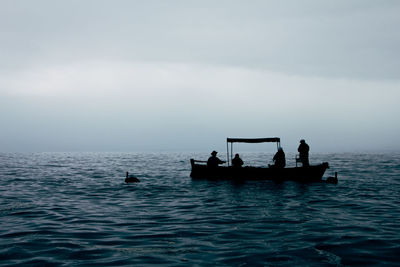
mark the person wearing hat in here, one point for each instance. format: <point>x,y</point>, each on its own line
<point>303,152</point>
<point>214,161</point>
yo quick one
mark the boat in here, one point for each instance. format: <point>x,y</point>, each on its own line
<point>311,173</point>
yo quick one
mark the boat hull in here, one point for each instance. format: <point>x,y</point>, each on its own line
<point>302,174</point>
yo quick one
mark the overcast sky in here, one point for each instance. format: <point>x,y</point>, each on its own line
<point>184,75</point>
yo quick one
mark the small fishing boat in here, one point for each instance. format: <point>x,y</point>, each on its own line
<point>311,173</point>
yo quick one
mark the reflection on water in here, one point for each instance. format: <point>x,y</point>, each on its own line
<point>74,208</point>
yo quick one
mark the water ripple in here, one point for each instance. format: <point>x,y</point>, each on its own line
<point>75,209</point>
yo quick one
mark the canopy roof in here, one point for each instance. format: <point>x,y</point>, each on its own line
<point>253,140</point>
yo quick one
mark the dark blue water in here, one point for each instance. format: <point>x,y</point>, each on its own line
<point>75,209</point>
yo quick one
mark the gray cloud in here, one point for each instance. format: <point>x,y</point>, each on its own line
<point>349,39</point>
<point>137,75</point>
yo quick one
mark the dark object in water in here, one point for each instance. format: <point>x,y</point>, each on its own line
<point>131,179</point>
<point>332,180</point>
<point>302,174</point>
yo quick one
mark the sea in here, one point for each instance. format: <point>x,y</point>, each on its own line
<point>75,209</point>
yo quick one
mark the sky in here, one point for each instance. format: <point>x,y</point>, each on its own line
<point>173,75</point>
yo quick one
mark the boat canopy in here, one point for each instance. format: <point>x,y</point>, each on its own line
<point>249,140</point>
<point>253,140</point>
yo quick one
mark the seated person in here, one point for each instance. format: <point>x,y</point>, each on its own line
<point>237,161</point>
<point>213,161</point>
<point>279,159</point>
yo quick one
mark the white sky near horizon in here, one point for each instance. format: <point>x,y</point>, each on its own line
<point>184,75</point>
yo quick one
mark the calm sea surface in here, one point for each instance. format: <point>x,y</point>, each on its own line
<point>75,209</point>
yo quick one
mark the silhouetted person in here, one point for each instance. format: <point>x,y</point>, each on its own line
<point>213,161</point>
<point>279,159</point>
<point>303,153</point>
<point>237,161</point>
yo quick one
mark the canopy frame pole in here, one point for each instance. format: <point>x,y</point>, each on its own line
<point>227,151</point>
<point>231,151</point>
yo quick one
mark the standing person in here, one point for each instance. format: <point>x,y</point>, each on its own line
<point>279,159</point>
<point>213,161</point>
<point>237,161</point>
<point>303,151</point>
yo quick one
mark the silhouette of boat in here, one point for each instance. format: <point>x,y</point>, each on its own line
<point>312,173</point>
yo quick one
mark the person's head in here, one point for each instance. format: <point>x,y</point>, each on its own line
<point>236,155</point>
<point>214,153</point>
<point>302,141</point>
<point>280,149</point>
